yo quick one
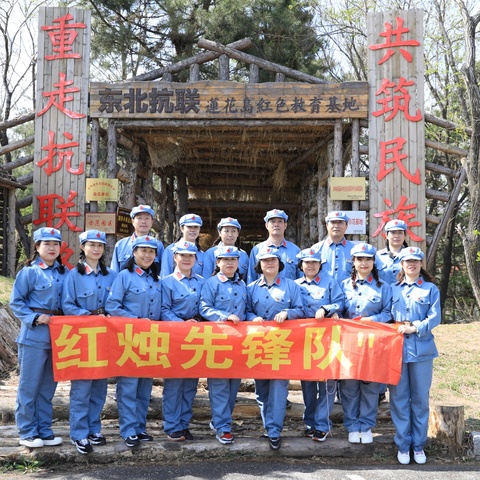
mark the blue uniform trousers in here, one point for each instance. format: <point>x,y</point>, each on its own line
<point>409,405</point>
<point>177,403</point>
<point>87,398</point>
<point>324,406</point>
<point>222,393</point>
<point>133,398</point>
<point>310,398</point>
<point>360,404</point>
<point>36,388</point>
<point>272,400</point>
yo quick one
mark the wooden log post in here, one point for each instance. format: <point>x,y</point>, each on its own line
<point>447,425</point>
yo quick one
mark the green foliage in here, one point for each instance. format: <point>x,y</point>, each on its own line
<point>25,465</point>
<point>130,37</point>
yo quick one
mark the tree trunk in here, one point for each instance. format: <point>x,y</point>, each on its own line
<point>9,328</point>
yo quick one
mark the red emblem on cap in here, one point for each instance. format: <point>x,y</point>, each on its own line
<point>99,235</point>
<point>147,239</point>
<point>364,247</point>
<point>52,232</point>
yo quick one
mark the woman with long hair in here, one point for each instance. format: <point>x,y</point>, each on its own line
<point>85,292</point>
<point>36,296</point>
<point>228,235</point>
<point>416,307</point>
<point>367,299</point>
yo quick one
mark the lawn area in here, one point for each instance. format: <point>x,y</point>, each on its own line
<point>5,289</point>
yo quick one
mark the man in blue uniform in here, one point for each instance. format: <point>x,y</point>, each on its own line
<point>276,224</point>
<point>142,221</point>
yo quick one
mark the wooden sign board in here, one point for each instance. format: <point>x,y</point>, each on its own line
<point>102,189</point>
<point>105,222</point>
<point>228,100</point>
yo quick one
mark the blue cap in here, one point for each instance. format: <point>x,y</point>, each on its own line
<point>145,241</point>
<point>142,209</point>
<point>275,213</point>
<point>336,215</point>
<point>226,251</point>
<point>47,234</point>
<point>185,247</point>
<point>93,236</point>
<point>229,222</point>
<point>363,250</point>
<point>395,225</point>
<point>411,253</point>
<point>267,252</point>
<point>309,254</point>
<point>190,219</point>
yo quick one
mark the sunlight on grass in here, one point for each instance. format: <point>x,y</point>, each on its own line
<point>5,289</point>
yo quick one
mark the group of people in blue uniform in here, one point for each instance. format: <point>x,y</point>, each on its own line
<point>334,278</point>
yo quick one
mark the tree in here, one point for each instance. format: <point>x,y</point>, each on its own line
<point>470,236</point>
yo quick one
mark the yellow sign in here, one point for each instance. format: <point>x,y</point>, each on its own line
<point>347,188</point>
<point>105,222</point>
<point>102,189</point>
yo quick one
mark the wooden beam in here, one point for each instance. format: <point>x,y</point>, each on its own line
<point>197,59</point>
<point>265,64</point>
<point>16,145</point>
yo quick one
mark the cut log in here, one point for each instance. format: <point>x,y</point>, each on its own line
<point>447,425</point>
<point>9,328</point>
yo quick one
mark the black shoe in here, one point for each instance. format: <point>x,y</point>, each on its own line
<point>275,442</point>
<point>97,439</point>
<point>83,446</point>
<point>176,436</point>
<point>308,432</point>
<point>319,436</point>
<point>382,397</point>
<point>264,434</point>
<point>132,441</point>
<point>289,404</point>
<point>144,437</point>
<point>187,434</point>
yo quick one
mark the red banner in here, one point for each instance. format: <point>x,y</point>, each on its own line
<point>94,347</point>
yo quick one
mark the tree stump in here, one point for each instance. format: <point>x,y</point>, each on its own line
<point>447,425</point>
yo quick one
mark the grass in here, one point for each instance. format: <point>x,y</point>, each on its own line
<point>5,289</point>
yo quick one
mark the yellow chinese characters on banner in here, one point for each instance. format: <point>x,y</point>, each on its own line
<point>94,347</point>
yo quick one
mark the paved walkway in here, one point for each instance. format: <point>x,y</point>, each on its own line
<point>247,430</point>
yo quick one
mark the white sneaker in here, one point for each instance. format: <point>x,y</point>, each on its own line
<point>367,437</point>
<point>212,427</point>
<point>52,440</point>
<point>31,442</point>
<point>354,437</point>
<point>403,457</point>
<point>420,457</point>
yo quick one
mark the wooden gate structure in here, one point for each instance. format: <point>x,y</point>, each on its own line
<point>235,167</point>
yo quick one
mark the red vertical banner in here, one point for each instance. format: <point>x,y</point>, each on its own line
<point>61,124</point>
<point>396,123</point>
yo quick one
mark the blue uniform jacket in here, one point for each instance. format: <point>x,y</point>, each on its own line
<point>210,262</point>
<point>336,258</point>
<point>84,293</point>
<point>418,303</point>
<point>168,265</point>
<point>288,252</point>
<point>123,251</point>
<point>181,296</point>
<point>266,301</point>
<point>368,300</point>
<point>135,294</point>
<point>221,297</point>
<point>36,286</point>
<point>388,266</point>
<point>322,291</point>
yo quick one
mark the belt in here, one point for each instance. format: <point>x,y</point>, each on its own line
<point>98,311</point>
<point>48,312</point>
